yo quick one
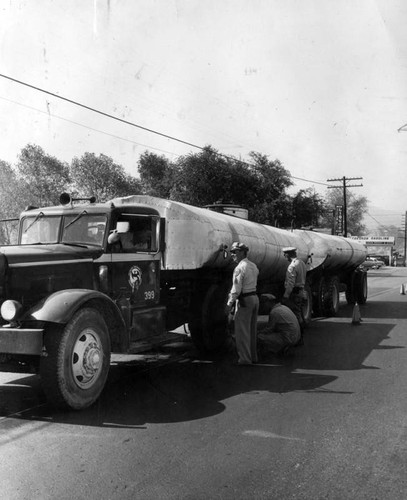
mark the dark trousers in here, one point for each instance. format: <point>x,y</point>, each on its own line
<point>295,303</point>
<point>246,328</point>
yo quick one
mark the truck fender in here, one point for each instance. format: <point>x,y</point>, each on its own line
<point>60,306</point>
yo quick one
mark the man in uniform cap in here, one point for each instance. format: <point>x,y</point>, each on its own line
<point>282,331</point>
<point>243,294</point>
<point>294,283</point>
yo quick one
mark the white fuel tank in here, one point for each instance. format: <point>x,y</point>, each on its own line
<point>198,237</point>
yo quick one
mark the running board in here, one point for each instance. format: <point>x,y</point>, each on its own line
<point>158,340</point>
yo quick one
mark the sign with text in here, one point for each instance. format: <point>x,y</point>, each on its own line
<point>339,219</point>
<point>375,240</point>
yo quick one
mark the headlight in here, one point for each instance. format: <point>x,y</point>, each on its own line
<point>10,309</point>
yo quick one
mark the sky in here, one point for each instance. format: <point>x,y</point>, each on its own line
<point>320,85</point>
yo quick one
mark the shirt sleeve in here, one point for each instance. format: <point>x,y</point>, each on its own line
<point>289,281</point>
<point>238,275</point>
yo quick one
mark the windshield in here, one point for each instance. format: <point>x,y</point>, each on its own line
<point>40,229</point>
<point>86,229</point>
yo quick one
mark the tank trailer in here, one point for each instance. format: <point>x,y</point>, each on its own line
<point>89,279</point>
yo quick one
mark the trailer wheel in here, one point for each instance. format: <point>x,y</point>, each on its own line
<point>350,290</point>
<point>307,304</point>
<point>209,322</point>
<point>75,369</point>
<point>360,287</point>
<point>331,297</point>
<point>319,291</point>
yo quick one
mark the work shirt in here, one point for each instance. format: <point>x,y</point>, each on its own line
<point>295,276</point>
<point>244,280</point>
<point>284,322</point>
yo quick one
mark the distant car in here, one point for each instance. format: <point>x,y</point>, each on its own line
<point>372,263</point>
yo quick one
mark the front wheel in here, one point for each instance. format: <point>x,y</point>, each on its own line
<point>77,361</point>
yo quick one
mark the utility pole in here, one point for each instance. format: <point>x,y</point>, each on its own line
<point>344,181</point>
<point>405,234</point>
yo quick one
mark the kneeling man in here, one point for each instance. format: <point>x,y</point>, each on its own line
<point>282,331</point>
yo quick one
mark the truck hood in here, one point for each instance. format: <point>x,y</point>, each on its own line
<point>43,253</point>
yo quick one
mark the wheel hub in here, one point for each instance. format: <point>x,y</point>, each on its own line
<point>87,359</point>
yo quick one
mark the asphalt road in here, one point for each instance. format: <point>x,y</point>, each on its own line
<point>329,423</point>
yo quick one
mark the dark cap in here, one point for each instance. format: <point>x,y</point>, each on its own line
<point>238,246</point>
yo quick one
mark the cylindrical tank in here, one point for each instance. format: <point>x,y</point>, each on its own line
<point>198,237</point>
<point>332,252</point>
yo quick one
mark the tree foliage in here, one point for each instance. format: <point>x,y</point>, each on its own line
<point>99,176</point>
<point>42,176</point>
<point>156,175</point>
<point>259,185</point>
<point>202,179</point>
<point>356,209</point>
<point>207,177</point>
<point>307,208</point>
<point>12,201</point>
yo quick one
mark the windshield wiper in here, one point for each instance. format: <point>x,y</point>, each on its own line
<point>76,218</point>
<point>73,244</point>
<point>41,214</point>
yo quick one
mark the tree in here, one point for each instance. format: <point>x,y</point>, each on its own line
<point>268,201</point>
<point>12,201</point>
<point>43,176</point>
<point>307,208</point>
<point>202,179</point>
<point>156,175</point>
<point>207,177</point>
<point>356,208</point>
<point>99,176</point>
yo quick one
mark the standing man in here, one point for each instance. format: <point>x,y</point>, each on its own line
<point>294,284</point>
<point>244,295</point>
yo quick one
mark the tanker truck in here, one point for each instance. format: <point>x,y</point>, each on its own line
<point>89,279</point>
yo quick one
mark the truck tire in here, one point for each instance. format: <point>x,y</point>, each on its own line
<point>209,323</point>
<point>77,363</point>
<point>331,297</point>
<point>350,290</point>
<point>318,297</point>
<point>360,287</point>
<point>307,304</point>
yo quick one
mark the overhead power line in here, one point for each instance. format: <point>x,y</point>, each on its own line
<point>100,112</point>
<point>132,124</point>
<point>87,126</point>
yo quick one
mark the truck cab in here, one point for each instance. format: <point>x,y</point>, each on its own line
<point>83,281</point>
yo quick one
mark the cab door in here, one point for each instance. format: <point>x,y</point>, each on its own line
<point>135,261</point>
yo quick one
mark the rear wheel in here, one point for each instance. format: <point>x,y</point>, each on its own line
<point>331,297</point>
<point>307,304</point>
<point>208,323</point>
<point>76,366</point>
<point>360,287</point>
<point>318,297</point>
<point>350,289</point>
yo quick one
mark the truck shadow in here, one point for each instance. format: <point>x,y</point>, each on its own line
<point>191,387</point>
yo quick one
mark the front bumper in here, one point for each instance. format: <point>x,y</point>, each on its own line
<point>21,340</point>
